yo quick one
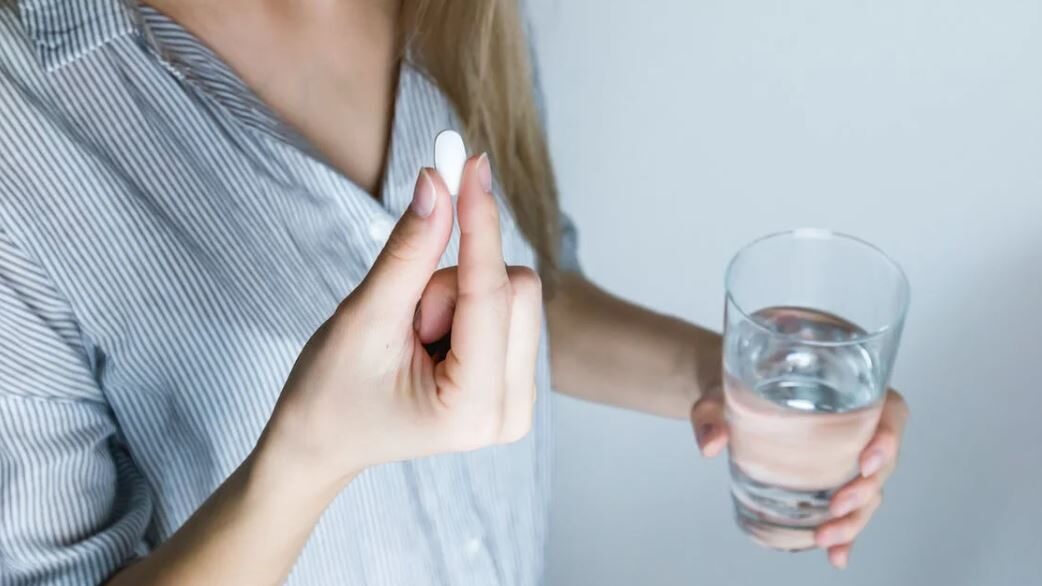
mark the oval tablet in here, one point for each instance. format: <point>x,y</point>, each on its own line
<point>450,154</point>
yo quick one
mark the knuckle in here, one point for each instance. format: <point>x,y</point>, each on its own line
<point>475,432</point>
<point>479,218</point>
<point>899,403</point>
<point>494,417</point>
<point>705,407</point>
<point>525,282</point>
<point>491,289</point>
<point>874,484</point>
<point>517,419</point>
<point>500,290</point>
<point>520,274</point>
<point>401,247</point>
<point>887,439</point>
<point>489,214</point>
<point>351,316</point>
<point>843,530</point>
<point>491,427</point>
<point>516,427</point>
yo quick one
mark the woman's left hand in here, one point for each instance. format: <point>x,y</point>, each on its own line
<point>852,505</point>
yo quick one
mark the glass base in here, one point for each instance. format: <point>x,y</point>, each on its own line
<point>775,517</point>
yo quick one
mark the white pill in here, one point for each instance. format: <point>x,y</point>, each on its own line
<point>450,154</point>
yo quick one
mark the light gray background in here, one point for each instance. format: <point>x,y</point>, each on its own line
<point>682,129</point>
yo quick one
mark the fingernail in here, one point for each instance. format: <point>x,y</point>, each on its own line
<point>846,504</point>
<point>423,195</point>
<point>841,560</point>
<point>873,464</point>
<point>485,173</point>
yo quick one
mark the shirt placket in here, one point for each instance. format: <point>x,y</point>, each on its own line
<point>443,490</point>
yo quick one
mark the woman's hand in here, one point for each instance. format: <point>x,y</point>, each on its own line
<point>852,505</point>
<point>365,390</point>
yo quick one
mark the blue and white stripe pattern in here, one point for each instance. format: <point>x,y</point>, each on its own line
<point>166,248</point>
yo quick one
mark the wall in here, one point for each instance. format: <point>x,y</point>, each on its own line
<point>682,129</point>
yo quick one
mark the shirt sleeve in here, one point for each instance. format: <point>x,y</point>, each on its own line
<point>568,247</point>
<point>73,506</point>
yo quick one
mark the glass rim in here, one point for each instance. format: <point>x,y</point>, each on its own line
<point>823,234</point>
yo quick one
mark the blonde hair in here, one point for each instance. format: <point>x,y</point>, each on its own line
<point>477,53</point>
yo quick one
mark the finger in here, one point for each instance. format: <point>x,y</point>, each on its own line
<point>526,324</point>
<point>707,417</point>
<point>437,306</point>
<point>481,267</point>
<point>881,452</point>
<point>839,555</point>
<point>856,494</point>
<point>413,249</point>
<point>845,529</point>
<point>481,321</point>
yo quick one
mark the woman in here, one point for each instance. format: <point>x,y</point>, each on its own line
<point>223,366</point>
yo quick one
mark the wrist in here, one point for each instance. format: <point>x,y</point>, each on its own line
<point>701,371</point>
<point>282,460</point>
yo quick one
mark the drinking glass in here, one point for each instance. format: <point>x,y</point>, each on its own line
<point>812,324</point>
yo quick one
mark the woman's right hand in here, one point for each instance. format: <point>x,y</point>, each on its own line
<point>365,391</point>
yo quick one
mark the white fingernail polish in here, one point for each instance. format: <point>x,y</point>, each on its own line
<point>450,155</point>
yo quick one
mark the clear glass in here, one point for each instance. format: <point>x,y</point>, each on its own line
<point>812,324</point>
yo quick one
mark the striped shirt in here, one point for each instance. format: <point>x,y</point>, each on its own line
<point>167,246</point>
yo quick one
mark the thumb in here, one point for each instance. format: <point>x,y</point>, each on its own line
<point>707,417</point>
<point>413,249</point>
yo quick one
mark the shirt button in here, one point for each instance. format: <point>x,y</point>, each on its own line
<point>380,228</point>
<point>472,547</point>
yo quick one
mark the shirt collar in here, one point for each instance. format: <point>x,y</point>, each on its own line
<point>63,30</point>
